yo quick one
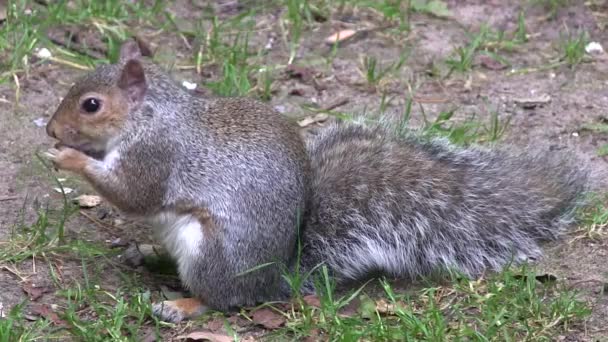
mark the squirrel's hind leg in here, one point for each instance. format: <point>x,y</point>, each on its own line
<point>177,310</point>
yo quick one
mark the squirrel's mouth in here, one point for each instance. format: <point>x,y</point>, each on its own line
<point>84,148</point>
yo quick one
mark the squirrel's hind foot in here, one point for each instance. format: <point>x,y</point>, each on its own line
<point>175,311</point>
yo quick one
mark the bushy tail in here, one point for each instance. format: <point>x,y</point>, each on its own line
<point>407,207</point>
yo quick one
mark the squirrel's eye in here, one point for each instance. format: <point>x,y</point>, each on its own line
<point>91,105</point>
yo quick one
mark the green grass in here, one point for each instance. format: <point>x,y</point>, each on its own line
<point>13,327</point>
<point>509,306</point>
<point>572,48</point>
<point>28,23</point>
<point>490,43</point>
<point>598,128</point>
<point>603,150</point>
<point>593,217</point>
<point>375,73</point>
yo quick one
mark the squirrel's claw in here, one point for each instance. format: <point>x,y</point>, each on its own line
<point>51,154</point>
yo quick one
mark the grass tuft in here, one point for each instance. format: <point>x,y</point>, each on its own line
<point>511,305</point>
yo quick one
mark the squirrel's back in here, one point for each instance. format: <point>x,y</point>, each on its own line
<point>407,207</point>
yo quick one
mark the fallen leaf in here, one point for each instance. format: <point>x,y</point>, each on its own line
<point>45,311</point>
<point>386,308</point>
<point>312,300</point>
<point>206,336</point>
<point>33,291</point>
<point>88,201</point>
<point>268,318</point>
<point>303,73</point>
<point>340,36</point>
<point>239,321</point>
<point>216,324</point>
<point>491,63</point>
<point>350,309</point>
<point>150,337</point>
<point>313,336</point>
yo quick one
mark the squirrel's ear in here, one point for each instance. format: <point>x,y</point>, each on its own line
<point>133,81</point>
<point>134,49</point>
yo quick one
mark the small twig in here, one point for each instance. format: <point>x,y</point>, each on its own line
<point>70,64</point>
<point>419,99</point>
<point>98,53</point>
<point>14,272</point>
<point>108,228</point>
<point>9,198</point>
<point>335,104</point>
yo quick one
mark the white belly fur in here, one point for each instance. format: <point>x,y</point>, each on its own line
<point>181,235</point>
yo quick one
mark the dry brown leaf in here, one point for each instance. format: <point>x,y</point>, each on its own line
<point>351,309</point>
<point>33,291</point>
<point>216,324</point>
<point>340,36</point>
<point>312,300</point>
<point>88,201</point>
<point>313,336</point>
<point>45,310</point>
<point>206,336</point>
<point>491,63</point>
<point>384,307</point>
<point>268,318</point>
<point>238,321</point>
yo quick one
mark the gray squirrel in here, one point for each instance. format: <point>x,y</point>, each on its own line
<point>229,184</point>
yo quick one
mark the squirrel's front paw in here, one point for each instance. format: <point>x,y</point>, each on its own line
<point>67,158</point>
<point>175,311</point>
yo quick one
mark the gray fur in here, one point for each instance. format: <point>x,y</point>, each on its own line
<point>372,203</point>
<point>406,207</point>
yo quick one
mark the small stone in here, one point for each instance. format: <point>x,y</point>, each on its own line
<point>594,48</point>
<point>189,85</point>
<point>340,36</point>
<point>65,190</point>
<point>88,201</point>
<point>44,53</point>
<point>40,122</point>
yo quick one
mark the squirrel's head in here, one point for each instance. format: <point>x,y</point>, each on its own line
<point>96,107</point>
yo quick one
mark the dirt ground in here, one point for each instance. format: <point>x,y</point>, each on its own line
<point>578,96</point>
